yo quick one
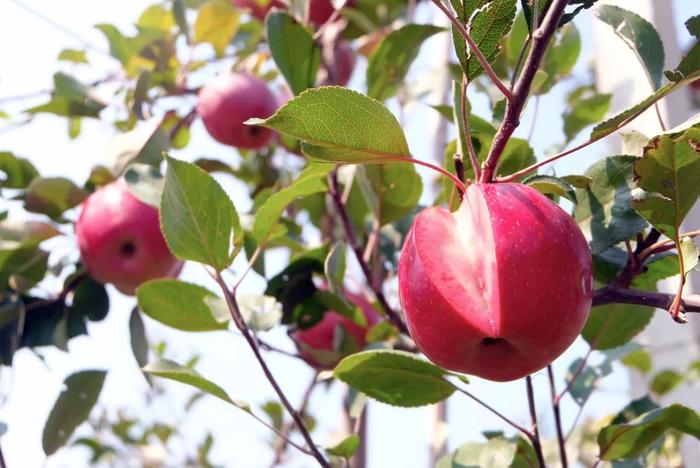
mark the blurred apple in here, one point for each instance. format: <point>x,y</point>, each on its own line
<point>230,99</point>
<point>120,240</point>
<point>318,344</point>
<point>259,9</point>
<point>498,289</point>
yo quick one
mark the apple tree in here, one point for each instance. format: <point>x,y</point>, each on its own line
<point>401,289</point>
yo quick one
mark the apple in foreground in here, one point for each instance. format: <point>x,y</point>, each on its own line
<point>317,344</point>
<point>499,288</point>
<point>230,99</point>
<point>120,240</point>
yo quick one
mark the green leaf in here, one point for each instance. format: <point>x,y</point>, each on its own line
<point>79,395</point>
<point>549,185</point>
<point>665,381</point>
<point>627,440</point>
<point>638,359</point>
<point>16,172</point>
<point>691,61</point>
<point>53,196</point>
<point>340,125</point>
<point>561,56</point>
<point>395,377</point>
<point>70,98</point>
<point>293,49</point>
<point>27,233</point>
<point>90,299</point>
<point>144,145</point>
<point>389,63</point>
<point>635,409</point>
<point>487,27</point>
<point>603,211</point>
<point>613,325</point>
<point>496,453</point>
<point>137,338</point>
<point>346,448</point>
<point>668,172</point>
<point>398,187</point>
<point>171,370</point>
<point>73,55</point>
<point>217,22</point>
<point>639,35</point>
<point>584,110</point>
<point>198,218</point>
<point>334,267</point>
<point>182,305</point>
<point>267,217</point>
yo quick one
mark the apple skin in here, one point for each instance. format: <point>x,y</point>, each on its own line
<point>320,337</point>
<point>120,240</point>
<point>498,289</point>
<point>342,61</point>
<point>257,10</point>
<point>228,100</point>
<point>320,11</point>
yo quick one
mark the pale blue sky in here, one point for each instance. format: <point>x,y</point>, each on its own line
<point>397,437</point>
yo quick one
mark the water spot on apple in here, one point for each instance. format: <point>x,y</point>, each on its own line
<point>128,248</point>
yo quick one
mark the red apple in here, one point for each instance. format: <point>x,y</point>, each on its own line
<point>120,240</point>
<point>230,99</point>
<point>498,289</point>
<point>341,62</point>
<point>259,9</point>
<point>320,11</point>
<point>317,343</point>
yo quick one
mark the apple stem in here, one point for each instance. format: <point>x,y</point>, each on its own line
<point>474,48</point>
<point>557,417</point>
<point>334,190</point>
<point>245,331</point>
<point>541,38</point>
<point>535,433</point>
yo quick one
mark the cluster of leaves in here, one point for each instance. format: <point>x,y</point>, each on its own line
<point>622,199</point>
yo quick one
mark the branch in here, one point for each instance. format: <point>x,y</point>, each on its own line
<point>334,190</point>
<point>474,49</point>
<point>3,464</point>
<point>535,433</point>
<point>541,38</point>
<point>283,440</point>
<point>557,417</point>
<point>240,323</point>
<point>512,423</point>
<point>467,134</point>
<point>657,300</point>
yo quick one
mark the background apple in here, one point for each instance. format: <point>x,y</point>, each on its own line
<point>230,99</point>
<point>317,343</point>
<point>341,61</point>
<point>120,239</point>
<point>499,288</point>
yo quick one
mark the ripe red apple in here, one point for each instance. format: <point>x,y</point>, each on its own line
<point>341,61</point>
<point>120,240</point>
<point>320,11</point>
<point>317,343</point>
<point>259,9</point>
<point>498,289</point>
<point>230,99</point>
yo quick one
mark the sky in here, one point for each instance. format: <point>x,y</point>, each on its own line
<point>32,385</point>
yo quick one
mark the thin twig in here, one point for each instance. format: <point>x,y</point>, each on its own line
<point>240,323</point>
<point>535,439</point>
<point>3,464</point>
<point>574,376</point>
<point>474,48</point>
<point>507,420</point>
<point>467,134</point>
<point>556,409</point>
<point>541,38</point>
<point>661,246</point>
<point>284,440</point>
<point>334,191</point>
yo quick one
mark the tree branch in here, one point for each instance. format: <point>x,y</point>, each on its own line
<point>657,300</point>
<point>534,433</point>
<point>467,134</point>
<point>240,323</point>
<point>509,421</point>
<point>541,38</point>
<point>557,417</point>
<point>474,49</point>
<point>334,190</point>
